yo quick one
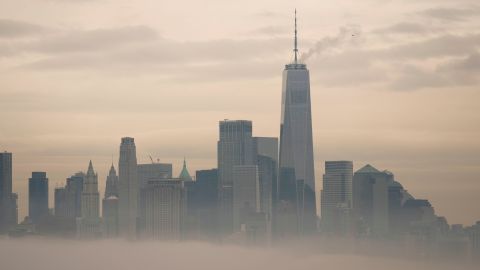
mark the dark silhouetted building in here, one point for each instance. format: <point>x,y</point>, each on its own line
<point>8,200</point>
<point>370,200</point>
<point>38,197</point>
<point>246,194</point>
<point>60,202</point>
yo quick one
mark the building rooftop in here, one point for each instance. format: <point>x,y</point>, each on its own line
<point>184,174</point>
<point>368,169</point>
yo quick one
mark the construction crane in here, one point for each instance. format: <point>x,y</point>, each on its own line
<point>153,162</point>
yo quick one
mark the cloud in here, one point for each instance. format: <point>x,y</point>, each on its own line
<point>407,28</point>
<point>452,14</point>
<point>270,30</point>
<point>343,60</point>
<point>268,14</point>
<point>467,64</point>
<point>439,46</point>
<point>18,29</point>
<point>435,62</point>
<point>94,40</point>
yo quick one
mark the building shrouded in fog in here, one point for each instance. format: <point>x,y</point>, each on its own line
<point>89,224</point>
<point>296,150</point>
<point>38,197</point>
<point>110,205</point>
<point>8,200</point>
<point>128,189</point>
<point>111,185</point>
<point>246,194</point>
<point>235,148</point>
<point>370,199</point>
<point>110,216</point>
<point>336,199</point>
<point>146,173</point>
<point>60,202</point>
<point>164,209</point>
<point>73,190</point>
<point>266,151</point>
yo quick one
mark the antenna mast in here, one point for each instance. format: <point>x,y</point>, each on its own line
<point>295,49</point>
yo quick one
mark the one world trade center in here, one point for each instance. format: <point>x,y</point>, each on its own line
<point>296,210</point>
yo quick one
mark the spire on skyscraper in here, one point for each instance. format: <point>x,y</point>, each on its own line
<point>295,49</point>
<point>185,175</point>
<point>112,170</point>
<point>90,169</point>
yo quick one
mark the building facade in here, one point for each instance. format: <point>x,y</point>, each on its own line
<point>336,198</point>
<point>8,201</point>
<point>111,184</point>
<point>370,200</point>
<point>165,207</point>
<point>234,148</point>
<point>110,205</point>
<point>296,144</point>
<point>246,194</point>
<point>38,197</point>
<point>128,189</point>
<point>89,224</point>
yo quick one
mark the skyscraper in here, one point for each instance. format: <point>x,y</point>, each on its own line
<point>370,199</point>
<point>110,204</point>
<point>266,151</point>
<point>7,198</point>
<point>234,148</point>
<point>145,173</point>
<point>246,194</point>
<point>60,202</point>
<point>205,202</point>
<point>336,199</point>
<point>165,202</point>
<point>89,224</point>
<point>128,189</point>
<point>110,216</point>
<point>296,143</point>
<point>38,197</point>
<point>73,193</point>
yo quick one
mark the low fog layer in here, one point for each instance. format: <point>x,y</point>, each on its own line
<point>119,255</point>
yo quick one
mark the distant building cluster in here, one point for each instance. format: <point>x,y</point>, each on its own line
<point>262,192</point>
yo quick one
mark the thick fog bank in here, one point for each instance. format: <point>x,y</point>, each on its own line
<point>60,255</point>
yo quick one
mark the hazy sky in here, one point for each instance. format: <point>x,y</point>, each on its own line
<point>395,84</point>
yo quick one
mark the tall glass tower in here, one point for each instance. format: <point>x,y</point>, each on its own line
<point>297,209</point>
<point>128,189</point>
<point>234,148</point>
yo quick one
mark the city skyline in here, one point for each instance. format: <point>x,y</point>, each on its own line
<point>427,148</point>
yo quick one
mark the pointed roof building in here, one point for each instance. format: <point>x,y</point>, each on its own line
<point>368,169</point>
<point>90,171</point>
<point>184,174</point>
<point>111,186</point>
